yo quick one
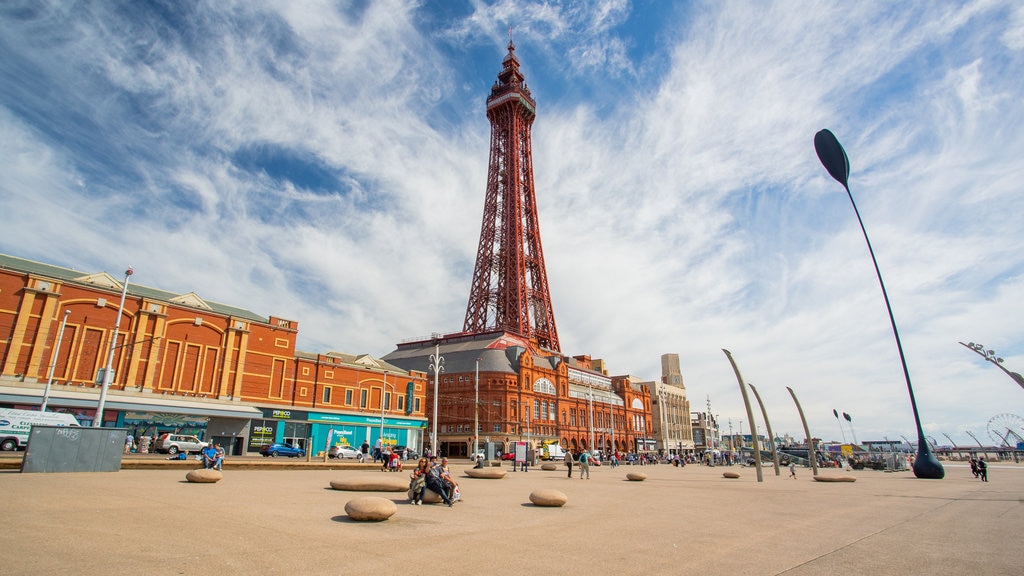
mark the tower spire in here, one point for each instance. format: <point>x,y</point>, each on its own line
<point>510,286</point>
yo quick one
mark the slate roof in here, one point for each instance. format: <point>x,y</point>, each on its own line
<point>71,276</point>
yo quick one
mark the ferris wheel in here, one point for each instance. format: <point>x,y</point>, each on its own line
<point>1006,429</point>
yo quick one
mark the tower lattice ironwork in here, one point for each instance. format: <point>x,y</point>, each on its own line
<point>510,284</point>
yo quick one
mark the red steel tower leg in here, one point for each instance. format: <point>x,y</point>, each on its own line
<point>510,283</point>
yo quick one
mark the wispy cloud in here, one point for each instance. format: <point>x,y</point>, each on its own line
<point>328,164</point>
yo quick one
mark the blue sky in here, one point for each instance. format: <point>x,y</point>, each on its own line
<point>326,162</point>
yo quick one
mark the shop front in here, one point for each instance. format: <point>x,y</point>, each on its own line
<point>316,432</point>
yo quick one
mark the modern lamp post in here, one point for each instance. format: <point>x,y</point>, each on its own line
<point>590,419</point>
<point>992,357</point>
<point>476,411</point>
<point>108,372</point>
<point>437,365</point>
<point>663,420</point>
<point>834,159</point>
<point>383,395</point>
<point>53,363</point>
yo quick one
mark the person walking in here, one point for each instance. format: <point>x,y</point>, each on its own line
<point>983,469</point>
<point>584,464</point>
<point>792,470</point>
<point>568,461</point>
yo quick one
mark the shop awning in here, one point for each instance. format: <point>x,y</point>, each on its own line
<point>147,403</point>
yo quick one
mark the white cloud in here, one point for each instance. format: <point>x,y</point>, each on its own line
<point>682,207</point>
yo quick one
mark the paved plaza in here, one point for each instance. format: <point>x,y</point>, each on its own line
<point>678,521</point>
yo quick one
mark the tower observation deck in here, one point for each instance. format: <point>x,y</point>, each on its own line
<point>510,286</point>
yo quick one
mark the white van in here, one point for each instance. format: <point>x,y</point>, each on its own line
<point>15,425</point>
<point>552,452</point>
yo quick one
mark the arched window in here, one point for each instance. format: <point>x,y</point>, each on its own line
<point>544,386</point>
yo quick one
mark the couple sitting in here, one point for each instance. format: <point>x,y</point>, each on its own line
<point>213,456</point>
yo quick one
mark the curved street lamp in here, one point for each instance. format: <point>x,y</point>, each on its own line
<point>991,356</point>
<point>834,159</point>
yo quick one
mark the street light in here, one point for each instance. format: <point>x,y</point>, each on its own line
<point>108,372</point>
<point>590,420</point>
<point>991,356</point>
<point>53,363</point>
<point>437,365</point>
<point>663,420</point>
<point>476,411</point>
<point>834,159</point>
<point>383,394</point>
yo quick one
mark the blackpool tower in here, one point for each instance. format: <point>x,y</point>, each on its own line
<point>510,284</point>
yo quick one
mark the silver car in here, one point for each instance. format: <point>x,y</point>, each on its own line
<point>174,443</point>
<point>345,452</point>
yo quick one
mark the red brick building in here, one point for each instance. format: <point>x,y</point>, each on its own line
<point>183,363</point>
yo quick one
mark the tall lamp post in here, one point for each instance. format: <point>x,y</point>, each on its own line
<point>991,356</point>
<point>53,363</point>
<point>437,365</point>
<point>590,419</point>
<point>108,372</point>
<point>383,395</point>
<point>476,411</point>
<point>663,420</point>
<point>834,159</point>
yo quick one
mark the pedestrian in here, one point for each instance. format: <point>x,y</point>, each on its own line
<point>974,467</point>
<point>568,461</point>
<point>792,470</point>
<point>129,440</point>
<point>418,482</point>
<point>584,464</point>
<point>983,469</point>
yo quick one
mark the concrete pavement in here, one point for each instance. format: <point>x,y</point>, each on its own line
<point>678,521</point>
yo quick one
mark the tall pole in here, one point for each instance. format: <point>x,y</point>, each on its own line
<point>807,432</point>
<point>108,372</point>
<point>663,420</point>
<point>750,417</point>
<point>768,426</point>
<point>437,364</point>
<point>834,159</point>
<point>476,411</point>
<point>53,363</point>
<point>383,394</point>
<point>590,420</point>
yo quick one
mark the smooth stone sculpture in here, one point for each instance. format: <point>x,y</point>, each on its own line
<point>488,473</point>
<point>834,479</point>
<point>549,466</point>
<point>429,496</point>
<point>204,476</point>
<point>548,497</point>
<point>730,474</point>
<point>370,508</point>
<point>636,476</point>
<point>382,483</point>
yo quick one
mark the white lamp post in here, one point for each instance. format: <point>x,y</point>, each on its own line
<point>590,401</point>
<point>476,411</point>
<point>383,394</point>
<point>437,365</point>
<point>53,363</point>
<point>663,419</point>
<point>108,372</point>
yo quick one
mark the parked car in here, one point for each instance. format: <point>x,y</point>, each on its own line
<point>413,455</point>
<point>282,449</point>
<point>174,443</point>
<point>345,452</point>
<point>508,456</point>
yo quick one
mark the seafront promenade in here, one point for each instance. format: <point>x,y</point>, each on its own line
<point>280,519</point>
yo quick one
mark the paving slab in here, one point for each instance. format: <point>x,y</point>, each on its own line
<point>678,521</point>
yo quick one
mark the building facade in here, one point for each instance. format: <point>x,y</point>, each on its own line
<point>184,364</point>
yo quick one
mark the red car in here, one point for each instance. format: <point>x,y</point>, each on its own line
<point>508,456</point>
